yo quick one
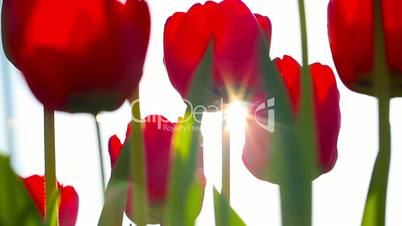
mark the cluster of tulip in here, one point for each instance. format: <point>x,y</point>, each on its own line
<point>88,56</point>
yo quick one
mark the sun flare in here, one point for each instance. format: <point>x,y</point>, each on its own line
<point>236,114</point>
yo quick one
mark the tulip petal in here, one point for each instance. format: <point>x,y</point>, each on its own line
<point>351,36</point>
<point>68,207</point>
<point>327,114</point>
<point>392,20</point>
<point>16,15</point>
<point>266,26</point>
<point>290,69</point>
<point>36,188</point>
<point>186,39</point>
<point>234,55</point>
<point>115,148</point>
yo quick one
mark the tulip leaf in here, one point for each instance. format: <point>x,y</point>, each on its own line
<point>374,211</point>
<point>224,214</point>
<point>16,205</point>
<point>306,116</point>
<point>54,203</point>
<point>116,190</point>
<point>200,89</point>
<point>139,199</point>
<point>186,193</point>
<point>186,196</point>
<point>287,166</point>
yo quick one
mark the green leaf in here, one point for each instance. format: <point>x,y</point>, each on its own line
<point>285,145</point>
<point>374,210</point>
<point>186,194</point>
<point>224,214</point>
<point>116,191</point>
<point>306,117</point>
<point>54,203</point>
<point>200,90</point>
<point>288,166</point>
<point>117,188</point>
<point>16,205</point>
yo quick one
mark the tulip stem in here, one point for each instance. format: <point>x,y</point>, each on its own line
<point>100,153</point>
<point>294,197</point>
<point>377,196</point>
<point>303,30</point>
<point>375,207</point>
<point>225,158</point>
<point>50,164</point>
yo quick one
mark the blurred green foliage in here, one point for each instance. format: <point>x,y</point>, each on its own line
<point>16,205</point>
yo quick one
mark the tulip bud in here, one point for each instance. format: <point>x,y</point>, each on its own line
<point>77,56</point>
<point>68,206</point>
<point>258,146</point>
<point>236,34</point>
<point>351,37</point>
<point>157,136</point>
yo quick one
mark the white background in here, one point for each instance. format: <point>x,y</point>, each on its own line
<point>338,196</point>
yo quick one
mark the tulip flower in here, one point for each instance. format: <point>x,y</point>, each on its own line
<point>366,43</point>
<point>236,34</point>
<point>77,56</point>
<point>68,206</point>
<point>157,135</point>
<point>351,35</point>
<point>257,149</point>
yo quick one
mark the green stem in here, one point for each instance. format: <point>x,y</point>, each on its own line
<point>50,162</point>
<point>100,153</point>
<point>379,184</point>
<point>375,207</point>
<point>138,170</point>
<point>293,203</point>
<point>303,30</point>
<point>225,159</point>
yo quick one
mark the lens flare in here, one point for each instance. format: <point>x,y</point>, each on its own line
<point>236,114</point>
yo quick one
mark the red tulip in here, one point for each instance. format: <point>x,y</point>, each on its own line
<point>68,207</point>
<point>351,36</point>
<point>157,135</point>
<point>236,33</point>
<point>256,154</point>
<point>77,56</point>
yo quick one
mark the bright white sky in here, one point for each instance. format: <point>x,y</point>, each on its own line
<point>338,196</point>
